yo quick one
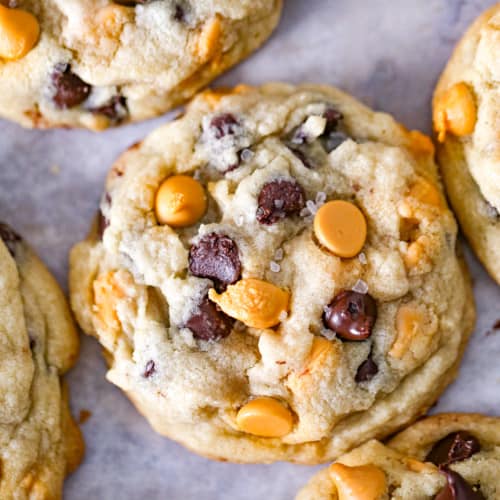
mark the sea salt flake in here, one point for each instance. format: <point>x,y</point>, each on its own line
<point>362,258</point>
<point>360,286</point>
<point>246,154</point>
<point>275,267</point>
<point>320,198</point>
<point>278,255</point>
<point>311,206</point>
<point>283,315</point>
<point>279,204</point>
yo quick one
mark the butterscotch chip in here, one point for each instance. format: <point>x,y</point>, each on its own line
<point>278,288</point>
<point>340,227</point>
<point>39,441</point>
<point>265,417</point>
<point>19,31</point>
<point>363,482</point>
<point>180,201</point>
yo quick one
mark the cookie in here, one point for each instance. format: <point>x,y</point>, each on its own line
<point>443,457</point>
<point>39,441</point>
<point>466,109</point>
<point>274,275</point>
<point>100,63</point>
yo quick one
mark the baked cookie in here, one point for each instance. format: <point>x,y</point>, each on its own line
<point>39,441</point>
<point>99,63</point>
<point>274,277</point>
<point>444,457</point>
<point>467,122</point>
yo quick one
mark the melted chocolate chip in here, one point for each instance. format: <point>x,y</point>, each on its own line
<point>9,237</point>
<point>116,109</point>
<point>332,138</point>
<point>215,257</point>
<point>455,447</point>
<point>70,89</point>
<point>351,315</point>
<point>279,199</point>
<point>102,224</point>
<point>224,124</point>
<point>366,370</point>
<point>150,369</point>
<point>457,488</point>
<point>209,322</point>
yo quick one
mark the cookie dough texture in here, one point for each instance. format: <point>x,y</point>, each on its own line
<point>39,441</point>
<point>138,60</point>
<point>403,460</point>
<point>133,282</point>
<point>471,164</point>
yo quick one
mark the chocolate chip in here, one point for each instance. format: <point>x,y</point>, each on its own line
<point>215,257</point>
<point>179,13</point>
<point>9,237</point>
<point>116,109</point>
<point>457,488</point>
<point>333,118</point>
<point>366,370</point>
<point>351,315</point>
<point>70,89</point>
<point>332,138</point>
<point>209,322</point>
<point>279,199</point>
<point>224,124</point>
<point>150,369</point>
<point>455,447</point>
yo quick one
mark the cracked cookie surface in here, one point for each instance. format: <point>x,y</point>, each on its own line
<point>39,441</point>
<point>274,275</point>
<point>466,110</point>
<point>100,63</point>
<point>443,457</point>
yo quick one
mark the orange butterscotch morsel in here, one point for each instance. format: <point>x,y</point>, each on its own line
<point>19,32</point>
<point>256,303</point>
<point>409,323</point>
<point>265,417</point>
<point>455,111</point>
<point>363,482</point>
<point>340,226</point>
<point>209,41</point>
<point>180,201</point>
<point>107,292</point>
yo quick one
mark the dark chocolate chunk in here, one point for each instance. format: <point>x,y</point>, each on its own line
<point>70,89</point>
<point>455,447</point>
<point>279,199</point>
<point>9,237</point>
<point>366,370</point>
<point>351,315</point>
<point>216,257</point>
<point>224,124</point>
<point>457,488</point>
<point>209,322</point>
<point>150,369</point>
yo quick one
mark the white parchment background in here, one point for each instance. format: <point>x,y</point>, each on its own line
<point>388,53</point>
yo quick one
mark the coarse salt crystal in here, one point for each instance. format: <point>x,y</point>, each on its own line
<point>360,286</point>
<point>279,204</point>
<point>283,315</point>
<point>362,258</point>
<point>246,154</point>
<point>278,255</point>
<point>305,212</point>
<point>311,206</point>
<point>275,267</point>
<point>320,198</point>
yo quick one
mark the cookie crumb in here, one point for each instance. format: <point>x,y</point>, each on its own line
<point>83,416</point>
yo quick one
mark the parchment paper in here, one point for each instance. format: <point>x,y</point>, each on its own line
<point>387,53</point>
